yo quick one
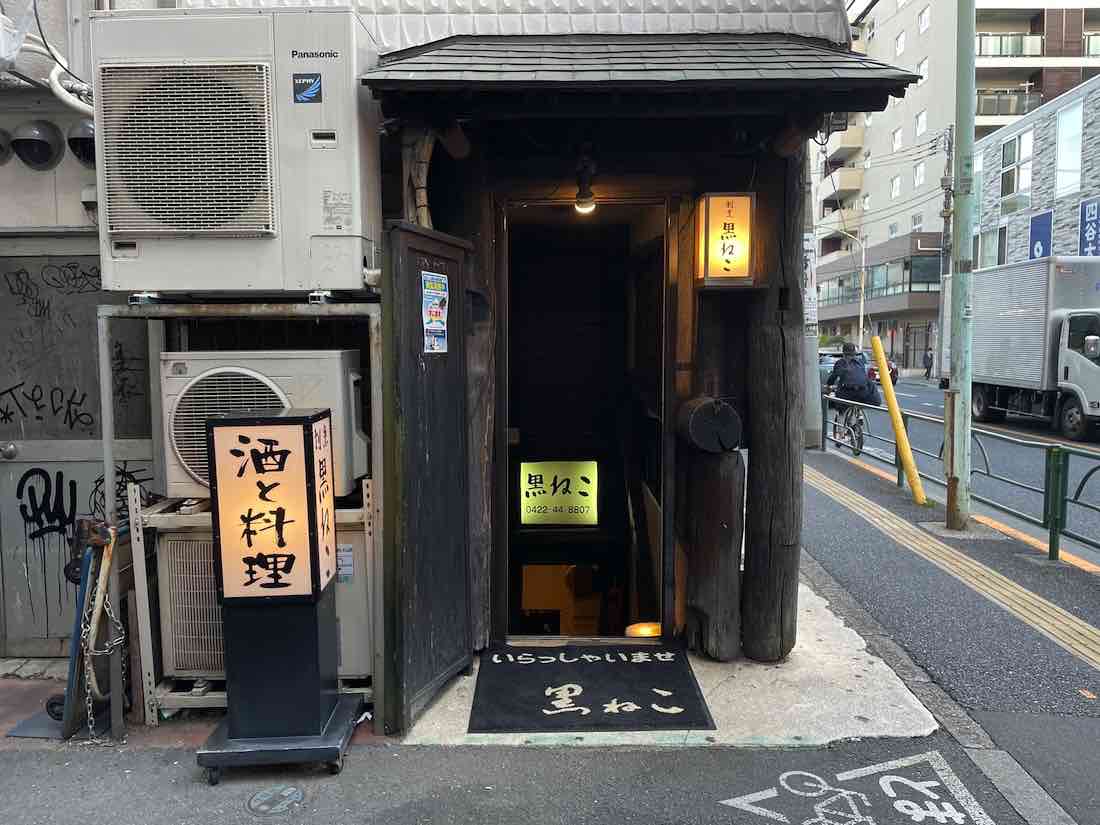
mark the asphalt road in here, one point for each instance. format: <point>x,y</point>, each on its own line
<point>399,785</point>
<point>1036,700</point>
<point>999,466</point>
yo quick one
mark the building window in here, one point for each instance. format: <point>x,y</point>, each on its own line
<point>895,187</point>
<point>993,249</point>
<point>918,175</point>
<point>899,44</point>
<point>922,70</point>
<point>922,122</point>
<point>924,19</point>
<point>976,201</point>
<point>918,222</point>
<point>897,138</point>
<point>893,230</point>
<point>1069,151</point>
<point>1016,173</point>
<point>866,203</point>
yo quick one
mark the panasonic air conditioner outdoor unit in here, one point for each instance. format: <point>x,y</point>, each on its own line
<point>198,385</point>
<point>236,150</point>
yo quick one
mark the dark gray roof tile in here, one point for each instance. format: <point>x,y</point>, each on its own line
<point>606,59</point>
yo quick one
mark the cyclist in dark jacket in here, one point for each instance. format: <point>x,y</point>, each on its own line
<point>850,376</point>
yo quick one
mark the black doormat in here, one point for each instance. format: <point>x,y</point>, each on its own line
<point>590,688</point>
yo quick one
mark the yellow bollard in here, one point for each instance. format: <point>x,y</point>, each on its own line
<point>902,437</point>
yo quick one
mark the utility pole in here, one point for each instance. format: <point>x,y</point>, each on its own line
<point>958,474</point>
<point>944,319</point>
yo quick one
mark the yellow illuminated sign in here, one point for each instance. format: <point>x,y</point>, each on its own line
<point>724,227</point>
<point>559,492</point>
<point>263,518</point>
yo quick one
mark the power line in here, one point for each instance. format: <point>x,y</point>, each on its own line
<point>50,48</point>
<point>912,202</point>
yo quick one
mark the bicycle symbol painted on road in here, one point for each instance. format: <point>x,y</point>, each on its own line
<point>921,789</point>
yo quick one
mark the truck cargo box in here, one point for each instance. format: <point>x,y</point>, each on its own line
<point>1016,331</point>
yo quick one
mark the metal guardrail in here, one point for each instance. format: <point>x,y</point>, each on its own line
<point>1055,490</point>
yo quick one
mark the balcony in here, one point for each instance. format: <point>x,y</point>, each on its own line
<point>838,222</point>
<point>1007,104</point>
<point>842,145</point>
<point>1009,45</point>
<point>842,183</point>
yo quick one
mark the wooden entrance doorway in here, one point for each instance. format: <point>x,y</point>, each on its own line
<point>581,378</point>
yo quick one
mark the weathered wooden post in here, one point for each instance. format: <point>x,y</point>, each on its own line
<point>773,516</point>
<point>712,524</point>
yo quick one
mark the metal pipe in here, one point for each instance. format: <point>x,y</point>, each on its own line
<point>107,424</point>
<point>862,290</point>
<point>900,435</point>
<point>958,489</point>
<point>377,462</point>
<point>248,310</point>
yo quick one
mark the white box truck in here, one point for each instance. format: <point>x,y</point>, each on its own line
<point>1036,345</point>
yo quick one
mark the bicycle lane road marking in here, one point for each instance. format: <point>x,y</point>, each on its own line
<point>1061,627</point>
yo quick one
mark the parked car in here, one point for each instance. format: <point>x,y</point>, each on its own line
<point>872,367</point>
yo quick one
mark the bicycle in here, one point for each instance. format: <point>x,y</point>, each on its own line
<point>848,427</point>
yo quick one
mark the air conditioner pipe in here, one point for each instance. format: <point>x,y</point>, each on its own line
<point>60,92</point>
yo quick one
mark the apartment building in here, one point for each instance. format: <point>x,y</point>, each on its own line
<point>877,185</point>
<point>1037,183</point>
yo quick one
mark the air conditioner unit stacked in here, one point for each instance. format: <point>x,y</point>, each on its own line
<point>235,150</point>
<point>196,386</point>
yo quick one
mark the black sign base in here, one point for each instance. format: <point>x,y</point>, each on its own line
<point>220,751</point>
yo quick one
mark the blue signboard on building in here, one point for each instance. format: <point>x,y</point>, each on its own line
<point>1089,243</point>
<point>1042,230</point>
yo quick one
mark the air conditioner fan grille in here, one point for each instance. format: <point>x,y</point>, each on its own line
<point>219,392</point>
<point>187,149</point>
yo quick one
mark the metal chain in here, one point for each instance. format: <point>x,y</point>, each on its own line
<point>117,643</point>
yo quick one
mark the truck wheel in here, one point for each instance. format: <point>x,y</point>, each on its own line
<point>979,405</point>
<point>1075,426</point>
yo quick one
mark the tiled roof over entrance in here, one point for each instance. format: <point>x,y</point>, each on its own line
<point>400,24</point>
<point>711,60</point>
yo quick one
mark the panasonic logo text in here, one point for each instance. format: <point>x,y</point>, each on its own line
<point>295,54</point>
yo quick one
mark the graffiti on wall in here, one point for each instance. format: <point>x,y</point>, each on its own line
<point>48,375</point>
<point>22,402</point>
<point>48,503</point>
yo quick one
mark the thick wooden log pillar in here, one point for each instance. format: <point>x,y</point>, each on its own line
<point>773,518</point>
<point>715,494</point>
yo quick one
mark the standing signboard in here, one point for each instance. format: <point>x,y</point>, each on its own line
<point>275,559</point>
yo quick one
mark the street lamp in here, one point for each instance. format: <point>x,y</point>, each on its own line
<point>862,279</point>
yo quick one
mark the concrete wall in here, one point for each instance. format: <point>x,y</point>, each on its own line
<point>29,198</point>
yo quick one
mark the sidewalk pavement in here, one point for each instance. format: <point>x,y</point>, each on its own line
<point>848,705</point>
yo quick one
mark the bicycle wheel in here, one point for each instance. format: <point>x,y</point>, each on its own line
<point>853,424</point>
